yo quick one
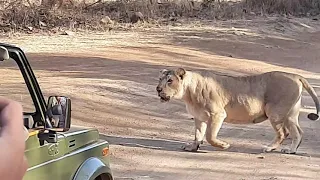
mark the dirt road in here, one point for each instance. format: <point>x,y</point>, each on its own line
<point>111,78</point>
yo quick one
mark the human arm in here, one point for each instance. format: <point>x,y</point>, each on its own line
<point>13,164</point>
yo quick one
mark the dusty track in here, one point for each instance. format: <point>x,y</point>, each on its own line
<point>111,79</point>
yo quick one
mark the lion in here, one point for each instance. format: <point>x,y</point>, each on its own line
<point>214,99</point>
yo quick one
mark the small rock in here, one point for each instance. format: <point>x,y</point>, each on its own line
<point>229,55</point>
<point>313,165</point>
<point>261,157</point>
<point>55,30</point>
<point>69,33</point>
<point>42,24</point>
<point>137,16</point>
<point>106,20</point>
<point>177,24</point>
<point>315,19</point>
<point>30,28</point>
<point>271,178</point>
<point>237,33</point>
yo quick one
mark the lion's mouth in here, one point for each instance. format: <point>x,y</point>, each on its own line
<point>164,99</point>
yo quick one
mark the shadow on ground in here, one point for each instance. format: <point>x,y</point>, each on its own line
<point>257,135</point>
<point>276,51</point>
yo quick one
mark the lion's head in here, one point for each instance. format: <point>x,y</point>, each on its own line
<point>170,84</point>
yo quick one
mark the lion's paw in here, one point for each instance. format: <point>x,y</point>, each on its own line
<point>191,147</point>
<point>268,149</point>
<point>225,146</point>
<point>287,151</point>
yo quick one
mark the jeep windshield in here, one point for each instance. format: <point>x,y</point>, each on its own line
<point>13,85</point>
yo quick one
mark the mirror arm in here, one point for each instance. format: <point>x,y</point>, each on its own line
<point>50,137</point>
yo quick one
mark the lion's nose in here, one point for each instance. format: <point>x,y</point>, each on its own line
<point>159,89</point>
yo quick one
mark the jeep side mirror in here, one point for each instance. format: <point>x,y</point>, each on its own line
<point>4,54</point>
<point>59,113</point>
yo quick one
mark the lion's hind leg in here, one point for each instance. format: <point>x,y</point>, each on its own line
<point>296,134</point>
<point>284,121</point>
<point>280,135</point>
<point>294,128</point>
<point>277,117</point>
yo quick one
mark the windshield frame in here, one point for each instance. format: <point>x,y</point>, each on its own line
<point>30,80</point>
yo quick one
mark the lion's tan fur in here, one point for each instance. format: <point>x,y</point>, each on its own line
<point>215,99</point>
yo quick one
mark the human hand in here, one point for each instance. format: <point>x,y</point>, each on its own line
<point>13,163</point>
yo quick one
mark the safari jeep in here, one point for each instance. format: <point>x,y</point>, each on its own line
<point>54,149</point>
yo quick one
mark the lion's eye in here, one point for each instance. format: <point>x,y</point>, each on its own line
<point>169,80</point>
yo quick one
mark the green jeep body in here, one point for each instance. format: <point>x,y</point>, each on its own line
<point>76,154</point>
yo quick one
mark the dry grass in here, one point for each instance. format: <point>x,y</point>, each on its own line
<point>23,15</point>
<point>289,7</point>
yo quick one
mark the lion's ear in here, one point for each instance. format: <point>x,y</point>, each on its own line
<point>181,72</point>
<point>162,72</point>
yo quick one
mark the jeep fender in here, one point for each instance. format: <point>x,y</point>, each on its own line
<point>91,169</point>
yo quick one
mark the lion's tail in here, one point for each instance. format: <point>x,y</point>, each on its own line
<point>313,94</point>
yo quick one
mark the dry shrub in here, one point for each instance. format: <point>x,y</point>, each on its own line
<point>222,10</point>
<point>121,10</point>
<point>19,16</point>
<point>44,14</point>
<point>292,7</point>
<point>23,15</point>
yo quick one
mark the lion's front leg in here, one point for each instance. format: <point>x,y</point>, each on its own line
<point>200,131</point>
<point>214,124</point>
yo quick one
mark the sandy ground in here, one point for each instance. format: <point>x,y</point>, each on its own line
<point>111,78</point>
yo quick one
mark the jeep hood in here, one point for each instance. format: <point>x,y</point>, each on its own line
<point>78,137</point>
